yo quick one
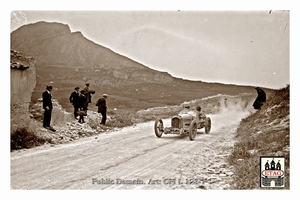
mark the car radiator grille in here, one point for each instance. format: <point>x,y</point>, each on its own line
<point>175,123</point>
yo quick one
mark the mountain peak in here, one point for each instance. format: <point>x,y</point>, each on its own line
<point>40,27</point>
<point>53,44</point>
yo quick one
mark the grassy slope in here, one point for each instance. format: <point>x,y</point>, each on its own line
<point>131,96</point>
<point>264,133</point>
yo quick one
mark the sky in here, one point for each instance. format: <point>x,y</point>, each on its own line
<point>243,47</point>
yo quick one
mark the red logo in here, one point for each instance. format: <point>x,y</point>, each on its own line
<point>272,173</point>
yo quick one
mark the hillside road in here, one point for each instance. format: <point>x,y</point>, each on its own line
<point>130,158</point>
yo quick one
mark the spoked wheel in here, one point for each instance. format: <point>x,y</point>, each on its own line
<point>158,127</point>
<point>207,125</point>
<point>193,130</point>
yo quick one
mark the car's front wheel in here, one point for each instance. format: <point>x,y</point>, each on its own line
<point>158,127</point>
<point>193,130</point>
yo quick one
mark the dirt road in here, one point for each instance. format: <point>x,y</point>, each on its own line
<point>131,158</point>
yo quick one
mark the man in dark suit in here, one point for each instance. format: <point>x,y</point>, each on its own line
<point>74,97</point>
<point>47,106</point>
<point>82,106</point>
<point>88,94</point>
<point>102,108</point>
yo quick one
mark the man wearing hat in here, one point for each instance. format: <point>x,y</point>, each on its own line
<point>81,106</point>
<point>102,108</point>
<point>88,94</point>
<point>47,106</point>
<point>74,97</point>
<point>260,99</point>
<point>200,115</point>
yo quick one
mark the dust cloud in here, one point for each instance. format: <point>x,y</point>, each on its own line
<point>231,110</point>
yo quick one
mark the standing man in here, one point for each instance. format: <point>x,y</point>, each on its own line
<point>260,99</point>
<point>102,108</point>
<point>74,97</point>
<point>47,106</point>
<point>81,106</point>
<point>88,94</point>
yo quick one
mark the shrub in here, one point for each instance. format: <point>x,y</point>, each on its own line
<point>123,119</point>
<point>25,138</point>
<point>94,122</point>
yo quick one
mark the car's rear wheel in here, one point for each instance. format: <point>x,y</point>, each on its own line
<point>193,130</point>
<point>207,125</point>
<point>158,127</point>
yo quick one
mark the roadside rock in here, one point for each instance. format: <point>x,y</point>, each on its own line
<point>69,131</point>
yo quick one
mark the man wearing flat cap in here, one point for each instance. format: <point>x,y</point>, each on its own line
<point>74,97</point>
<point>47,106</point>
<point>102,108</point>
<point>88,94</point>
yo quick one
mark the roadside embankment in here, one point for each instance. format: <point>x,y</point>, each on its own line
<point>263,133</point>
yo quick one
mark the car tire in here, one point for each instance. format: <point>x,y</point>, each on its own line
<point>207,125</point>
<point>158,127</point>
<point>193,130</point>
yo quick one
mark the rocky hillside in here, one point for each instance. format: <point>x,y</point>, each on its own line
<point>264,133</point>
<point>23,81</point>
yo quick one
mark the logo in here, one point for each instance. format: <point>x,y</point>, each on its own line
<point>272,171</point>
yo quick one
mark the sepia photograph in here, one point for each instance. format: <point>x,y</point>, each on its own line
<point>150,99</point>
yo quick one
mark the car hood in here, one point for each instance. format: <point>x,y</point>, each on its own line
<point>187,115</point>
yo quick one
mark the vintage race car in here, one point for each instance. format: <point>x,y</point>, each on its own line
<point>183,124</point>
